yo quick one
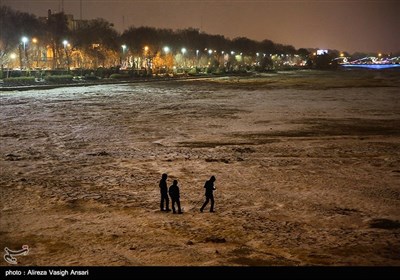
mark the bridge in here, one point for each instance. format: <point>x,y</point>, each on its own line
<point>370,62</point>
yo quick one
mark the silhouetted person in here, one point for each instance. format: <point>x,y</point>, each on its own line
<point>209,186</point>
<point>174,194</point>
<point>164,193</point>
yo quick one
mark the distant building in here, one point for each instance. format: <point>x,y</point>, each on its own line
<point>73,24</point>
<point>322,52</point>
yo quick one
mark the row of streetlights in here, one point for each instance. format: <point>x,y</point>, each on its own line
<point>167,49</point>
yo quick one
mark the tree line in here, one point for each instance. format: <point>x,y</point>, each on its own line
<point>61,42</point>
<point>97,43</point>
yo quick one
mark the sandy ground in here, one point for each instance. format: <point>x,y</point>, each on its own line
<point>307,167</point>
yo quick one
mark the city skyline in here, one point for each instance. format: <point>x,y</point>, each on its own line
<point>364,26</point>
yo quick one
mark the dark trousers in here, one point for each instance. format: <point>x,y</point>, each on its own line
<point>208,198</point>
<point>164,197</point>
<point>178,203</point>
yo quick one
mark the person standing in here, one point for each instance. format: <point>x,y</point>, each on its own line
<point>174,194</point>
<point>210,188</point>
<point>164,193</point>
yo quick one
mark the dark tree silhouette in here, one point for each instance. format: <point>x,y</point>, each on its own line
<point>98,41</point>
<point>57,30</point>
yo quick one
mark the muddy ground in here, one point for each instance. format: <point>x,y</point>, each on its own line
<point>307,167</point>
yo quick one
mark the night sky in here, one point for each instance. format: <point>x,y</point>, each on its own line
<point>352,25</point>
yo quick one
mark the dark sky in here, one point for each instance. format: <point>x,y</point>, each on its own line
<point>345,25</point>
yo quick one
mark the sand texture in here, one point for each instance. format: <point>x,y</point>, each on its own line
<point>307,167</point>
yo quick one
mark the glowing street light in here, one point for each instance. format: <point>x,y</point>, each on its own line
<point>147,58</point>
<point>65,43</point>
<point>123,53</point>
<point>166,50</point>
<point>13,56</point>
<point>35,41</point>
<point>183,51</point>
<point>123,49</point>
<point>24,40</point>
<point>197,58</point>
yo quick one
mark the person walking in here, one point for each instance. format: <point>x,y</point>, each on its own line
<point>174,194</point>
<point>164,193</point>
<point>210,188</point>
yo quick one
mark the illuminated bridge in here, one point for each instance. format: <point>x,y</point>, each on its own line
<point>371,62</point>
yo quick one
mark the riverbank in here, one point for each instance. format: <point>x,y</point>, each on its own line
<point>82,83</point>
<point>301,79</point>
<point>94,82</point>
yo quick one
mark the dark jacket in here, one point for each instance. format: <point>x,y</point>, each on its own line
<point>174,191</point>
<point>209,186</point>
<point>163,187</point>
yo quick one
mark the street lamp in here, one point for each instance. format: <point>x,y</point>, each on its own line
<point>147,58</point>
<point>35,41</point>
<point>166,50</point>
<point>123,53</point>
<point>65,43</point>
<point>13,56</point>
<point>183,50</point>
<point>24,40</point>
